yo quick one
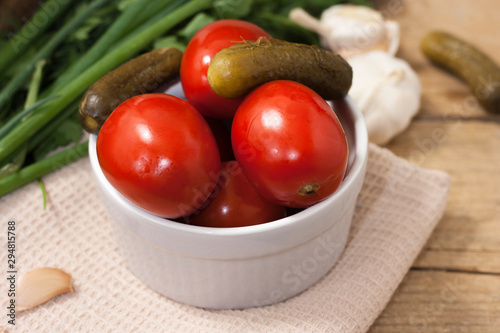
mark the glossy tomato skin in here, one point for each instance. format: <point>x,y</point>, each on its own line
<point>290,144</point>
<point>196,58</point>
<point>235,203</point>
<point>158,152</point>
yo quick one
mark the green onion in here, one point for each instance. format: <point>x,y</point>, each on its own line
<point>112,34</point>
<point>12,123</point>
<point>43,167</point>
<point>13,164</point>
<point>32,30</point>
<point>34,85</point>
<point>30,104</point>
<point>44,193</point>
<point>16,83</point>
<point>51,127</point>
<point>69,93</point>
<point>15,161</point>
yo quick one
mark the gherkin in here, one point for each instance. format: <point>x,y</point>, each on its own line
<point>140,75</point>
<point>235,71</point>
<point>459,57</point>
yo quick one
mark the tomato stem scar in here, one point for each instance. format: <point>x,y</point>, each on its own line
<point>308,189</point>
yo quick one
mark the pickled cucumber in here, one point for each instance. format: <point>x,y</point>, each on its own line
<point>235,71</point>
<point>140,75</point>
<point>478,70</point>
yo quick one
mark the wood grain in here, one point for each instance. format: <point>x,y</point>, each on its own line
<point>454,285</point>
<point>468,150</point>
<point>473,21</point>
<point>428,302</point>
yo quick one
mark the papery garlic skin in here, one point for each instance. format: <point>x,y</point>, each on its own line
<point>387,91</point>
<point>349,29</point>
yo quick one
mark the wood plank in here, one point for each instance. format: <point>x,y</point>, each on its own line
<point>451,133</point>
<point>473,261</point>
<point>443,302</point>
<point>469,233</point>
<point>476,22</point>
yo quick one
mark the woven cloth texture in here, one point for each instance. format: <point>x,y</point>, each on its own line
<point>398,207</point>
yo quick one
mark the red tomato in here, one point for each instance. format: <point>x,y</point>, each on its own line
<point>290,144</point>
<point>159,153</point>
<point>235,203</point>
<point>202,47</point>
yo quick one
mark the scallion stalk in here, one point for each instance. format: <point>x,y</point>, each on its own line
<point>34,88</point>
<point>69,93</point>
<point>32,30</point>
<point>14,121</point>
<point>102,45</point>
<point>51,127</point>
<point>17,82</point>
<point>43,167</point>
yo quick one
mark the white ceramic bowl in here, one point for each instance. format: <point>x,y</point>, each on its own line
<point>235,268</point>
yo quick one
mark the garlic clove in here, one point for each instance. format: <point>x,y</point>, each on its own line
<point>40,285</point>
<point>353,27</point>
<point>350,29</point>
<point>387,91</point>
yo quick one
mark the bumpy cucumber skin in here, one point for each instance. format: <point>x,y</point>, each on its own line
<point>235,71</point>
<point>140,75</point>
<point>478,70</point>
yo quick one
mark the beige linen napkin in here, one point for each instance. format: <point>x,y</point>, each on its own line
<point>397,209</point>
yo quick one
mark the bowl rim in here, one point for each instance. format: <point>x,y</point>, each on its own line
<point>355,171</point>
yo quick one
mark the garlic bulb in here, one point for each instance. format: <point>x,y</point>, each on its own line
<point>349,29</point>
<point>387,91</point>
<point>385,88</point>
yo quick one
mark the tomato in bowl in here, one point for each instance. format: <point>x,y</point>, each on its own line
<point>240,267</point>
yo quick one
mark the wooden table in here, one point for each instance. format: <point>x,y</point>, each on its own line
<point>454,285</point>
